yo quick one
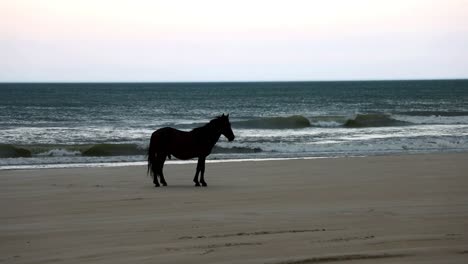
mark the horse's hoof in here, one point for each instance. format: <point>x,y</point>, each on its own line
<point>156,185</point>
<point>197,184</point>
<point>164,184</point>
<point>204,184</point>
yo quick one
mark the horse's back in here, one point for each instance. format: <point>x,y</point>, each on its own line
<point>168,134</point>
<point>169,140</point>
<point>166,130</point>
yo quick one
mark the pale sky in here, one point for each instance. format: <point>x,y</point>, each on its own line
<point>237,40</point>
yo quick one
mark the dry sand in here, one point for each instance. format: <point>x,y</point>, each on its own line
<point>396,209</point>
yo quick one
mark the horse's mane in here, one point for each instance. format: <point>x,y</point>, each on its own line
<point>207,125</point>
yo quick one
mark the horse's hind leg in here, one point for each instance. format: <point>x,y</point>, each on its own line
<point>202,172</point>
<point>155,175</point>
<point>160,159</point>
<point>195,179</point>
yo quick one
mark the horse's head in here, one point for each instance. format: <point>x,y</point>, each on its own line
<point>224,127</point>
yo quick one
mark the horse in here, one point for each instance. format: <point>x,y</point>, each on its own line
<point>183,145</point>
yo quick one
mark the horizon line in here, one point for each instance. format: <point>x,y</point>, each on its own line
<point>242,81</point>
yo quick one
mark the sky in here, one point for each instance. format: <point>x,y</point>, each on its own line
<point>220,40</point>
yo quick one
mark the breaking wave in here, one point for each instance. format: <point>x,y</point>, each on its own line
<point>328,121</point>
<point>10,151</point>
<point>59,153</point>
<point>357,121</point>
<point>96,150</point>
<point>114,150</point>
<point>348,121</point>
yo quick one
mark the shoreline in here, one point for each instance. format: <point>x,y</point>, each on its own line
<point>222,160</point>
<point>380,209</point>
<point>144,163</point>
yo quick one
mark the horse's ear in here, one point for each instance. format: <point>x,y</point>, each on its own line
<point>227,116</point>
<point>222,115</point>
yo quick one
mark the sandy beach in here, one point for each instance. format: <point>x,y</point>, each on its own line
<point>386,209</point>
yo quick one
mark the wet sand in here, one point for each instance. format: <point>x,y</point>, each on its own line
<point>389,209</point>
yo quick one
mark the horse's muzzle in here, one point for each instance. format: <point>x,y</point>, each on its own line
<point>231,139</point>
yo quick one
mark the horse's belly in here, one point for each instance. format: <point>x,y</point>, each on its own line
<point>183,155</point>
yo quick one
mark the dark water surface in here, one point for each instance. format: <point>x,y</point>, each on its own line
<point>112,122</point>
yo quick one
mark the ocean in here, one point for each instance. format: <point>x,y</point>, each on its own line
<point>107,124</point>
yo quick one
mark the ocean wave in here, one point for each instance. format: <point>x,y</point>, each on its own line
<point>10,151</point>
<point>327,124</point>
<point>114,150</point>
<point>433,113</point>
<point>60,152</point>
<point>357,121</point>
<point>340,141</point>
<point>361,120</point>
<point>89,150</point>
<point>363,145</point>
<point>433,119</point>
<point>289,122</point>
<point>328,121</point>
<point>240,150</point>
<point>299,121</point>
<point>373,120</point>
<point>97,150</point>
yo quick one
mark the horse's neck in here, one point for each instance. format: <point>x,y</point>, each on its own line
<point>210,134</point>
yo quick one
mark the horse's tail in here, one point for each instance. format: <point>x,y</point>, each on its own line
<point>151,154</point>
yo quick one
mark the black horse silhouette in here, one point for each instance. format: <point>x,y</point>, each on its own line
<point>183,145</point>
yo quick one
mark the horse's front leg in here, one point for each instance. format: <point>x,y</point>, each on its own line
<point>199,168</point>
<point>202,171</point>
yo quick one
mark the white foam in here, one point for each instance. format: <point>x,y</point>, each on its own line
<point>59,153</point>
<point>447,120</point>
<point>144,163</point>
<point>73,135</point>
<point>327,124</point>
